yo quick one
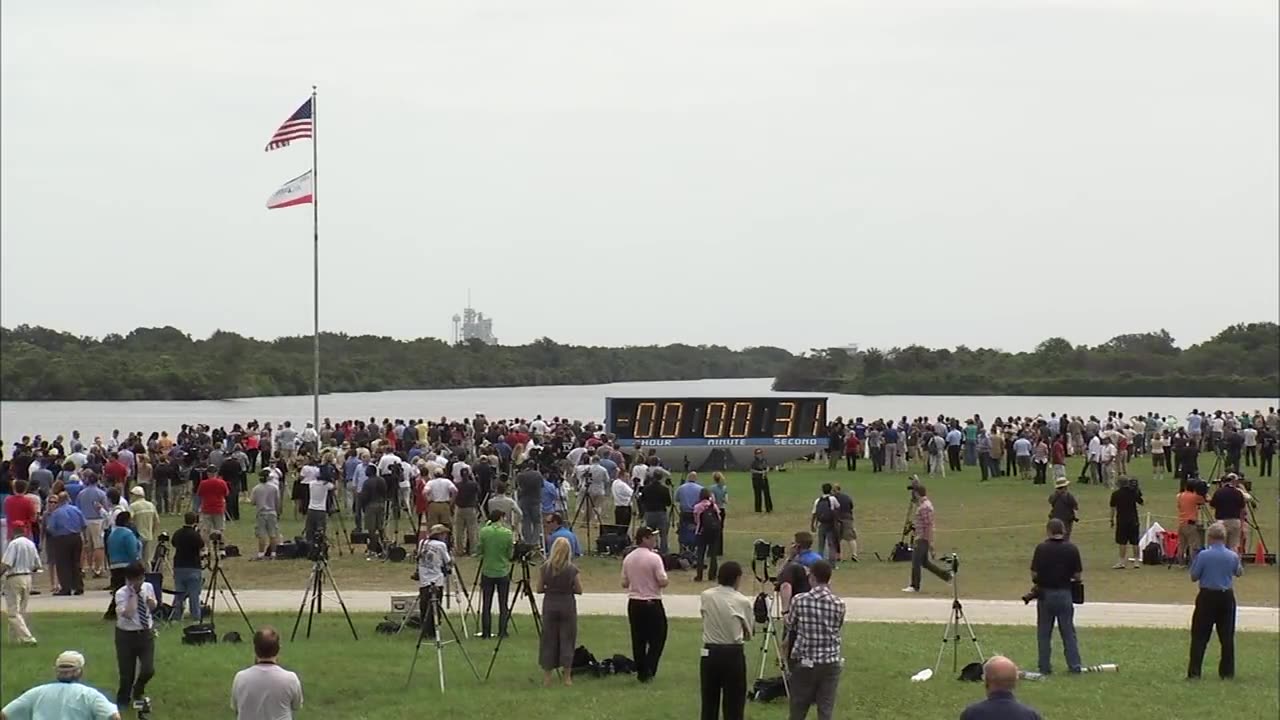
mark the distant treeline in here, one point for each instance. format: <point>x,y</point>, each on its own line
<point>1241,361</point>
<point>167,364</point>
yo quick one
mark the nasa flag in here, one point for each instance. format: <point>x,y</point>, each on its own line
<point>295,192</point>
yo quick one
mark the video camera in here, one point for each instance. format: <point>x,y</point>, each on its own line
<point>765,551</point>
<point>319,549</point>
<point>952,562</point>
<point>523,552</point>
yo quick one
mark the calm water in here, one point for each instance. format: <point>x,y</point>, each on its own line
<point>577,401</point>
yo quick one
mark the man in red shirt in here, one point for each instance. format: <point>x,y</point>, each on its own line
<point>18,508</point>
<point>1058,457</point>
<point>115,471</point>
<point>212,492</point>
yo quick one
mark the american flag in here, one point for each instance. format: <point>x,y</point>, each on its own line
<point>297,127</point>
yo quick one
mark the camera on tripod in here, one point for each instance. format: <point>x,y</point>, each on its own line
<point>767,551</point>
<point>143,708</point>
<point>952,562</point>
<point>524,552</point>
<point>319,550</point>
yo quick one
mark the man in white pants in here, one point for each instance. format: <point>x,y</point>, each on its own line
<point>20,561</point>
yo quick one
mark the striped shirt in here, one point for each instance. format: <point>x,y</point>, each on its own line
<point>814,622</point>
<point>21,557</point>
<point>924,520</point>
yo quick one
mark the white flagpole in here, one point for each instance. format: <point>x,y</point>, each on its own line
<point>315,267</point>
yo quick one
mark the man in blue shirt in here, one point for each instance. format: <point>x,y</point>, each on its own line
<point>73,487</point>
<point>123,549</point>
<point>559,530</point>
<point>67,698</point>
<point>550,498</point>
<point>64,527</point>
<point>1000,676</point>
<point>1215,568</point>
<point>954,440</point>
<point>687,496</point>
<point>93,504</point>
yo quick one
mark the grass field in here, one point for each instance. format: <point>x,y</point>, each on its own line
<point>993,526</point>
<point>366,680</point>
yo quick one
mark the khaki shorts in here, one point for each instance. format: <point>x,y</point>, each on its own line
<point>92,535</point>
<point>210,523</point>
<point>267,526</point>
<point>847,530</point>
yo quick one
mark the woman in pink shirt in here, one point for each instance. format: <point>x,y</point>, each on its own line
<point>707,529</point>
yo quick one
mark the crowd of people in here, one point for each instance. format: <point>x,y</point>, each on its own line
<point>1033,447</point>
<point>483,488</point>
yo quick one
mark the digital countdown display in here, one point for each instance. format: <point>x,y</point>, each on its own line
<point>672,420</point>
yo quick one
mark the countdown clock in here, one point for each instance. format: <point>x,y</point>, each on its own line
<point>785,426</point>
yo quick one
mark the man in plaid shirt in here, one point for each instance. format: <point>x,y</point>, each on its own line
<point>924,541</point>
<point>812,646</point>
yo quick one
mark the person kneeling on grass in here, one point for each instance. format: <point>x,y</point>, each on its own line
<point>68,697</point>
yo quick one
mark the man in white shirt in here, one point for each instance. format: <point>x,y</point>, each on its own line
<point>595,479</point>
<point>434,565</point>
<point>1250,446</point>
<point>266,691</point>
<point>622,493</point>
<point>21,559</point>
<point>1091,464</point>
<point>135,636</point>
<point>1107,462</point>
<point>317,502</point>
<point>440,492</point>
<point>310,439</point>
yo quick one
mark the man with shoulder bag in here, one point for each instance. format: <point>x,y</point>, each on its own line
<point>1055,568</point>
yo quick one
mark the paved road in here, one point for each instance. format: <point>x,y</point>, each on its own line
<point>894,610</point>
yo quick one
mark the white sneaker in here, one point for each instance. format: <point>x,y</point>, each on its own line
<point>909,589</point>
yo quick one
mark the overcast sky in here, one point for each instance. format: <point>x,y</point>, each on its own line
<point>718,171</point>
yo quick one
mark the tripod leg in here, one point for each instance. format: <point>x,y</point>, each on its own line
<point>333,584</point>
<point>422,634</point>
<point>306,595</point>
<point>946,637</point>
<point>226,583</point>
<point>972,636</point>
<point>457,641</point>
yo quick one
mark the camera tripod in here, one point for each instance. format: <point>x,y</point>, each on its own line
<point>586,509</point>
<point>440,617</point>
<point>469,610</point>
<point>315,593</point>
<point>951,633</point>
<point>216,589</point>
<point>770,635</point>
<point>523,588</point>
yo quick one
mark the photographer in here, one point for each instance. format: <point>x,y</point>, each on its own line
<point>266,499</point>
<point>188,579</point>
<point>1124,518</point>
<point>793,578</point>
<point>434,566</point>
<point>495,546</point>
<point>1228,505</point>
<point>1190,530</point>
<point>920,554</point>
<point>1055,565</point>
<point>318,489</point>
<point>212,492</point>
<point>373,503</point>
<point>655,501</point>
